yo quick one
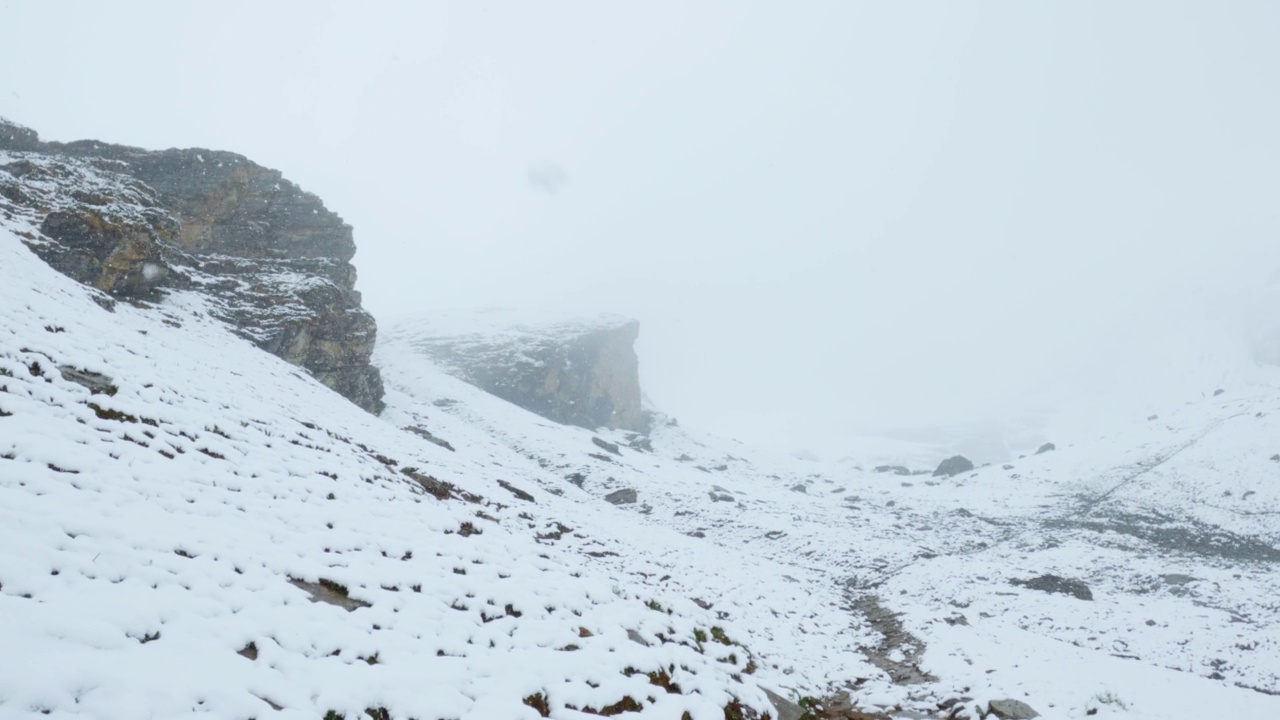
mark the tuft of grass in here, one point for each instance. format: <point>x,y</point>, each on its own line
<point>718,634</point>
<point>106,414</point>
<point>1107,697</point>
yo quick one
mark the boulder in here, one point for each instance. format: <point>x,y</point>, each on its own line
<point>625,496</point>
<point>16,137</point>
<point>895,469</point>
<point>1056,584</point>
<point>786,709</point>
<point>1047,447</point>
<point>606,445</point>
<point>953,466</point>
<point>1009,709</point>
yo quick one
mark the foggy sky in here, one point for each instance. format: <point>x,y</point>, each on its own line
<point>830,218</point>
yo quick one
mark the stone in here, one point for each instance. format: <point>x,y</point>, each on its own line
<point>1056,584</point>
<point>521,494</point>
<point>800,488</point>
<point>120,258</point>
<point>953,466</point>
<point>16,137</point>
<point>96,383</point>
<point>606,445</point>
<point>625,496</point>
<point>1009,709</point>
<point>895,469</point>
<point>430,437</point>
<point>785,709</point>
<point>1047,447</point>
<point>636,441</point>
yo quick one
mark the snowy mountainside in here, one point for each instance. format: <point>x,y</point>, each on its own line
<point>1133,575</point>
<point>192,527</point>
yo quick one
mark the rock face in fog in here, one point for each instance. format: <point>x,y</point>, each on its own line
<point>274,262</point>
<point>583,372</point>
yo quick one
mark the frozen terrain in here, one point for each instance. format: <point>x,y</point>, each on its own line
<point>190,527</point>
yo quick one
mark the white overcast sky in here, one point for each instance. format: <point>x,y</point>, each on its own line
<point>830,217</point>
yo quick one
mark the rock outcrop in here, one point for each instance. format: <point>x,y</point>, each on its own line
<point>953,466</point>
<point>273,261</point>
<point>583,372</point>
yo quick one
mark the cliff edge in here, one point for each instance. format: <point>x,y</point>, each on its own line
<point>273,261</point>
<point>580,372</point>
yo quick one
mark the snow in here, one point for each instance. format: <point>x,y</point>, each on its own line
<point>154,540</point>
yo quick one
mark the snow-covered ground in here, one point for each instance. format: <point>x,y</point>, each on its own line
<point>1173,525</point>
<point>191,527</point>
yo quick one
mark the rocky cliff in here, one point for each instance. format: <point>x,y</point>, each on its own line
<point>580,372</point>
<point>271,259</point>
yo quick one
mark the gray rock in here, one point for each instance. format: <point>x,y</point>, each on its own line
<point>953,466</point>
<point>113,255</point>
<point>1047,447</point>
<point>786,709</point>
<point>582,372</point>
<point>16,137</point>
<point>521,494</point>
<point>606,445</point>
<point>430,437</point>
<point>625,496</point>
<point>95,382</point>
<point>1009,709</point>
<point>327,591</point>
<point>895,469</point>
<point>636,441</point>
<point>273,261</point>
<point>1056,584</point>
<point>718,496</point>
<point>800,488</point>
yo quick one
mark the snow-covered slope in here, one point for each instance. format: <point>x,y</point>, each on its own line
<point>1171,527</point>
<point>191,527</point>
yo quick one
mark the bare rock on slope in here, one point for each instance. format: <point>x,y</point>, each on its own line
<point>953,466</point>
<point>274,260</point>
<point>581,372</point>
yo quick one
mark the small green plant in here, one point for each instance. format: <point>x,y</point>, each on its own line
<point>718,634</point>
<point>654,605</point>
<point>1107,697</point>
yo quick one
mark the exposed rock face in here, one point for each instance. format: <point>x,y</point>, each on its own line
<point>1056,584</point>
<point>275,263</point>
<point>583,373</point>
<point>953,466</point>
<point>1009,709</point>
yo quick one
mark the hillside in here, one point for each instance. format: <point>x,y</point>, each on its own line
<point>191,525</point>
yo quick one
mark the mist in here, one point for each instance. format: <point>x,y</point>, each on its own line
<point>980,224</point>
